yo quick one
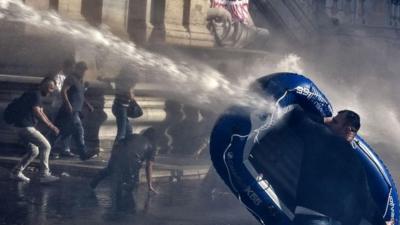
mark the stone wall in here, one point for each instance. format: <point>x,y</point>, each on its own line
<point>180,22</point>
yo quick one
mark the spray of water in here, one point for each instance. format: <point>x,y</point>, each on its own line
<point>198,85</point>
<point>206,88</point>
<point>364,81</point>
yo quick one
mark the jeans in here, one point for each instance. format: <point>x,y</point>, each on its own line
<point>314,220</point>
<point>123,125</point>
<point>37,144</point>
<point>58,121</point>
<point>71,126</point>
<point>59,146</point>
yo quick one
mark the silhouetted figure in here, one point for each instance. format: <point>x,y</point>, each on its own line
<point>124,165</point>
<point>93,120</point>
<point>124,94</point>
<point>167,129</point>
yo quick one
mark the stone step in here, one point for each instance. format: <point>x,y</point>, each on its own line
<point>162,171</point>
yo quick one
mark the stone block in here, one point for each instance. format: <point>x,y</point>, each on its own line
<point>199,34</point>
<point>139,20</point>
<point>71,9</point>
<point>38,4</point>
<point>115,15</point>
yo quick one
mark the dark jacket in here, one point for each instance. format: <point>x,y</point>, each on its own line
<point>332,179</point>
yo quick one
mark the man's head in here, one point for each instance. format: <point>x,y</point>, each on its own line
<point>345,124</point>
<point>68,66</point>
<point>47,86</point>
<point>80,69</point>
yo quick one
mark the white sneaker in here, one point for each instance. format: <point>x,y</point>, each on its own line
<point>48,178</point>
<point>19,176</point>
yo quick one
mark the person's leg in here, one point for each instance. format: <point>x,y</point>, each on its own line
<point>116,190</point>
<point>127,197</point>
<point>39,140</point>
<point>79,137</point>
<point>103,173</point>
<point>37,143</point>
<point>133,179</point>
<point>65,150</point>
<point>32,153</point>
<point>65,144</point>
<point>17,171</point>
<point>61,142</point>
<point>129,128</point>
<point>121,117</point>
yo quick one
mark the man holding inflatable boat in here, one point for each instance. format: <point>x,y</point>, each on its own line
<point>332,183</point>
<point>338,179</point>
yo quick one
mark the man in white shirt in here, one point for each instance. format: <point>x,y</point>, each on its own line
<point>66,70</point>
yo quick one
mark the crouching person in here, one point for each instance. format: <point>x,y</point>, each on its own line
<point>124,166</point>
<point>24,113</point>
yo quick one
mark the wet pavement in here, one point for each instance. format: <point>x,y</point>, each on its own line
<point>72,201</point>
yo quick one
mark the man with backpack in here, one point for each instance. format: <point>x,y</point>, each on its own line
<point>24,113</point>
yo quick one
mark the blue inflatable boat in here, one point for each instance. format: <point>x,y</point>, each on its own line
<point>264,177</point>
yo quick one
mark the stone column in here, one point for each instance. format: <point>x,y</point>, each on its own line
<point>71,9</point>
<point>199,34</point>
<point>115,15</point>
<point>175,32</point>
<point>139,20</point>
<point>180,22</point>
<point>38,4</point>
<point>360,10</point>
<point>92,11</point>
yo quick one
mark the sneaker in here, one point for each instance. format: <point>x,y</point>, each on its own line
<point>88,155</point>
<point>19,176</point>
<point>67,154</point>
<point>48,178</point>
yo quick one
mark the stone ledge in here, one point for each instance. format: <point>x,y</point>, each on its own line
<point>162,172</point>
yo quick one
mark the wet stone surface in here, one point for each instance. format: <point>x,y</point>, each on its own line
<point>72,201</point>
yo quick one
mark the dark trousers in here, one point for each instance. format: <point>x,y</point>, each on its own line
<point>70,125</point>
<point>123,182</point>
<point>314,220</point>
<point>129,176</point>
<point>123,185</point>
<point>123,125</point>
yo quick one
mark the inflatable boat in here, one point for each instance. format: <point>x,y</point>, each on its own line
<point>262,168</point>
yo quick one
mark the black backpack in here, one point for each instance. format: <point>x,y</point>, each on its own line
<point>12,111</point>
